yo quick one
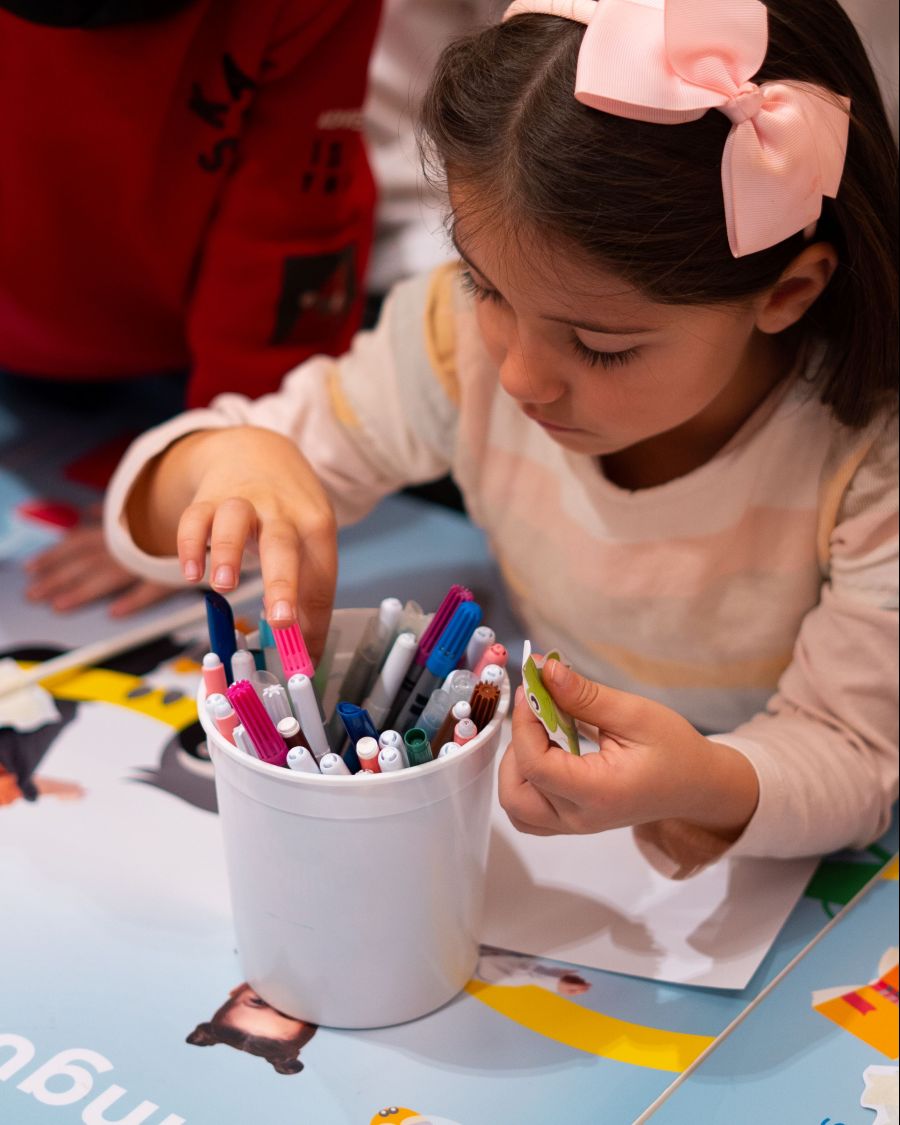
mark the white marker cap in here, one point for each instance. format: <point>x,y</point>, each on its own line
<point>300,759</point>
<point>449,749</point>
<point>333,765</point>
<point>390,759</point>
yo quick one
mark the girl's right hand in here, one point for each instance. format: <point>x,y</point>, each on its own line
<point>254,485</point>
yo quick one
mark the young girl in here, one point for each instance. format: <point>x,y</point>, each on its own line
<point>665,386</point>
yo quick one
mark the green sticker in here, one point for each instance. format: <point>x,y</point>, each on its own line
<point>558,725</point>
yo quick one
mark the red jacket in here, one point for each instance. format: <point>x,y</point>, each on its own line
<point>190,192</point>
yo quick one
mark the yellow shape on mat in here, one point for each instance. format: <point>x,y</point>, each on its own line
<point>891,870</point>
<point>101,685</point>
<point>560,1019</point>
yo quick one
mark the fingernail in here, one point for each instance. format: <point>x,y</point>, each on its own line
<point>556,672</point>
<point>520,694</point>
<point>192,570</point>
<point>281,611</point>
<point>224,576</point>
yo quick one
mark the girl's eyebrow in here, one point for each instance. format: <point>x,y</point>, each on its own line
<point>583,325</point>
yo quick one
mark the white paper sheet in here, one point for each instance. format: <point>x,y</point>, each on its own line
<point>595,901</point>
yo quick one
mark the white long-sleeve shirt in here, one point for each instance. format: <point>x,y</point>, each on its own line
<point>756,595</point>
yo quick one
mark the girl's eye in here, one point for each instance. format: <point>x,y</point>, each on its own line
<point>602,359</point>
<point>478,291</point>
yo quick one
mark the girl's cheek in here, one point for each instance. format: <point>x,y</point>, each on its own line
<point>492,334</point>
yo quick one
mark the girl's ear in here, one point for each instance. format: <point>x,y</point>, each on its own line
<point>784,303</point>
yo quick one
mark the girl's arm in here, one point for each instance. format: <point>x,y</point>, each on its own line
<point>815,772</point>
<point>235,473</point>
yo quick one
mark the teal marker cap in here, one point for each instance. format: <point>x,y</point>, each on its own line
<point>266,636</point>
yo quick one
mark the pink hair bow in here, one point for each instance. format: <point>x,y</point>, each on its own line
<point>668,61</point>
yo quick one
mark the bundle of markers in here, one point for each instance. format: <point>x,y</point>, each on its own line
<point>418,687</point>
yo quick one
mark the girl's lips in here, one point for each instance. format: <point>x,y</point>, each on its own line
<point>553,426</point>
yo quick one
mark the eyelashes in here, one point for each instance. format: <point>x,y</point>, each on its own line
<point>601,359</point>
<point>478,291</point>
<point>587,355</point>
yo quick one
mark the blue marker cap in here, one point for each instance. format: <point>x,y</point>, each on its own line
<point>357,724</point>
<point>220,621</point>
<point>452,642</point>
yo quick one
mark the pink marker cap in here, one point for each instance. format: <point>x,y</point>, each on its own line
<point>269,745</point>
<point>493,654</point>
<point>293,651</point>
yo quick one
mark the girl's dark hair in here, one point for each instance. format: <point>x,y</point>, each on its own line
<point>645,201</point>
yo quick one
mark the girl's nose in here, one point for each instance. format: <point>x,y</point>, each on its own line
<point>528,377</point>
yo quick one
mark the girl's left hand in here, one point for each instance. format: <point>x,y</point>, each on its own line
<point>652,765</point>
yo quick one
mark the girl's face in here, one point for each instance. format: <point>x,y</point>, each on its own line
<point>597,365</point>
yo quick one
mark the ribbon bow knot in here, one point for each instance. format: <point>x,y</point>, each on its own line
<point>669,61</point>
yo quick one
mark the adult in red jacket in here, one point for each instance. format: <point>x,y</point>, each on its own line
<point>183,187</point>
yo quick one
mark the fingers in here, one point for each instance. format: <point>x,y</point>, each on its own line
<point>72,582</point>
<point>140,596</point>
<point>528,809</point>
<point>80,541</point>
<point>552,770</point>
<point>225,526</point>
<point>279,557</point>
<point>300,572</point>
<point>614,711</point>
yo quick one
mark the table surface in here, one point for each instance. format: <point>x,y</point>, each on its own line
<point>120,942</point>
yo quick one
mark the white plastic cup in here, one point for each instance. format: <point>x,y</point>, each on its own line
<point>357,901</point>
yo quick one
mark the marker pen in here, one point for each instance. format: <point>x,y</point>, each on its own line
<point>395,739</point>
<point>388,681</point>
<point>240,641</point>
<point>323,668</point>
<point>485,698</point>
<point>460,683</point>
<point>268,742</point>
<point>214,679</point>
<point>493,654</point>
<point>303,696</point>
<point>434,712</point>
<point>418,750</point>
<point>413,620</point>
<point>275,701</point>
<point>242,665</point>
<point>390,610</point>
<point>261,679</point>
<point>432,634</point>
<point>300,759</point>
<point>290,731</point>
<point>460,710</point>
<point>358,725</point>
<point>222,715</point>
<point>242,741</point>
<point>491,674</point>
<point>449,749</point>
<point>464,731</point>
<point>254,647</point>
<point>220,621</point>
<point>369,653</point>
<point>367,752</point>
<point>293,651</point>
<point>390,760</point>
<point>271,658</point>
<point>482,638</point>
<point>333,765</point>
<point>443,659</point>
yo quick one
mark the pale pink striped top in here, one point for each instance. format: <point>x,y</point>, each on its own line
<point>756,595</point>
